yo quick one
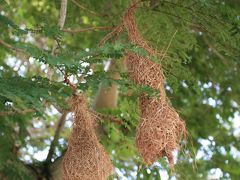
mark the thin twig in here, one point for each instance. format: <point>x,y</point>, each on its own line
<point>73,31</point>
<point>56,136</point>
<point>86,9</point>
<point>68,82</point>
<point>61,21</point>
<point>119,27</point>
<point>108,117</point>
<point>169,44</point>
<point>11,113</point>
<point>10,47</point>
<point>214,50</point>
<point>115,30</point>
<point>195,25</point>
<point>197,11</point>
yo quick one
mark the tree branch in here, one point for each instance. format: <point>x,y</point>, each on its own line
<point>47,163</point>
<point>56,136</point>
<point>108,117</point>
<point>11,113</point>
<point>116,30</point>
<point>10,47</point>
<point>63,13</point>
<point>61,21</point>
<point>86,9</point>
<point>73,31</point>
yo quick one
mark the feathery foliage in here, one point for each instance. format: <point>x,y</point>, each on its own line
<point>200,44</point>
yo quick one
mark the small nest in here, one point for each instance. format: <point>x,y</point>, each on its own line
<point>85,158</point>
<point>160,128</point>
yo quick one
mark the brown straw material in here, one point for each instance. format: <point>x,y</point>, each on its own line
<point>160,128</point>
<point>85,158</point>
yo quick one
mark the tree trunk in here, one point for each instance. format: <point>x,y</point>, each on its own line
<point>106,97</point>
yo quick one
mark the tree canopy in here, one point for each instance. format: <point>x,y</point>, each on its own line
<point>45,53</point>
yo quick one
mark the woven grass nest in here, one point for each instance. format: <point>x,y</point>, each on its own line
<point>160,128</point>
<point>85,158</point>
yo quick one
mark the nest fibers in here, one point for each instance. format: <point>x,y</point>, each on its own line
<point>160,127</point>
<point>85,158</point>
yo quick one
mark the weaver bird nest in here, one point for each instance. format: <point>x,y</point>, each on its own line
<point>160,127</point>
<point>85,158</point>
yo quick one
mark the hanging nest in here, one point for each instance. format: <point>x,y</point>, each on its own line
<point>160,128</point>
<point>85,158</point>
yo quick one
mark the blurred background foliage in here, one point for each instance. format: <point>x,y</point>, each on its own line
<point>201,42</point>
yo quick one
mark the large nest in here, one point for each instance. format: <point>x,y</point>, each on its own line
<point>159,130</point>
<point>85,158</point>
<point>160,127</point>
